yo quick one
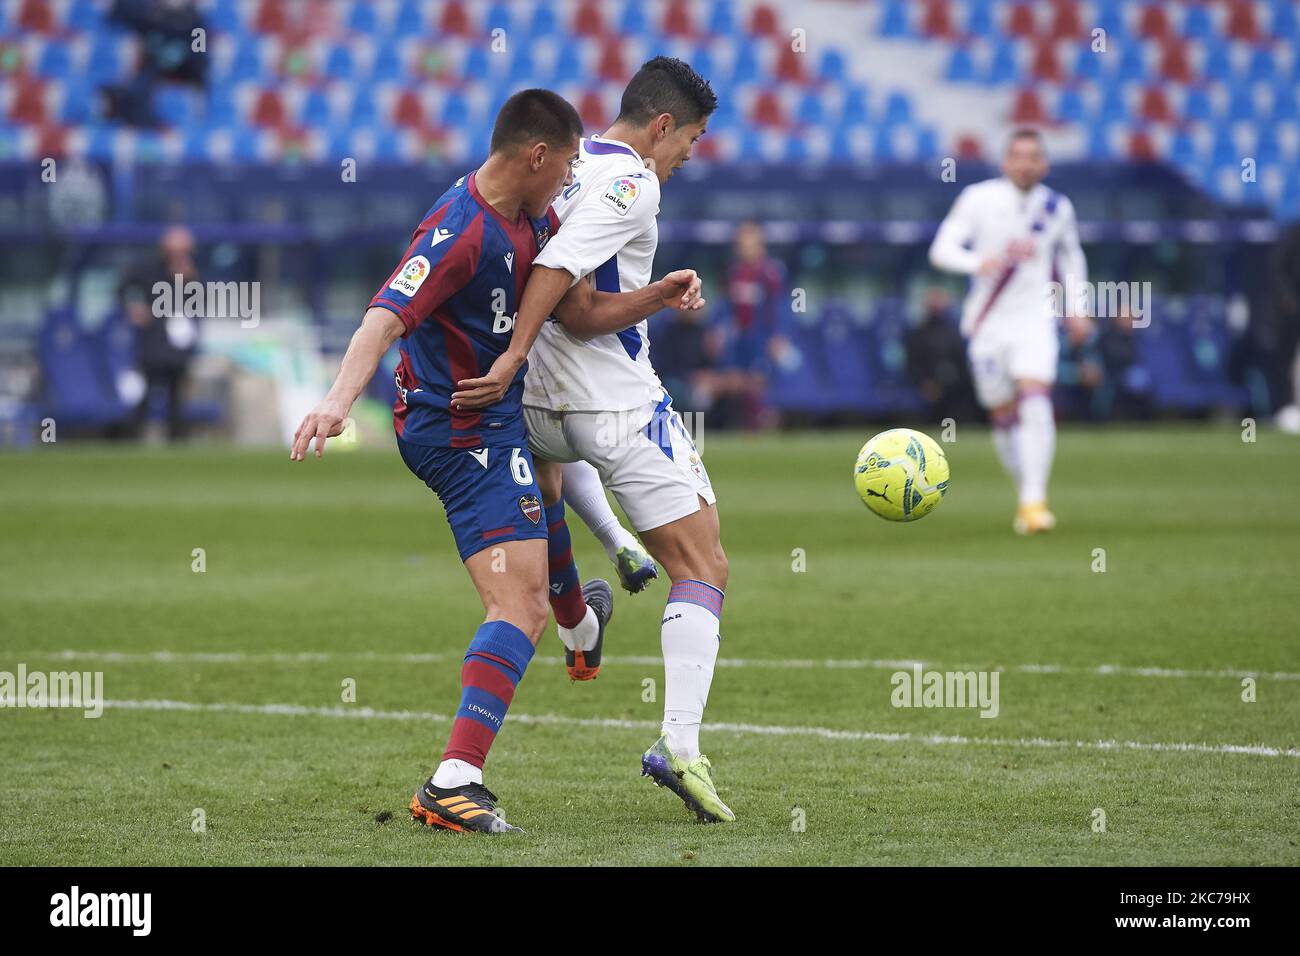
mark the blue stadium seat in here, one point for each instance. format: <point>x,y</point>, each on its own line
<point>498,18</point>
<point>364,111</point>
<point>1182,148</point>
<point>632,20</point>
<point>1197,21</point>
<point>961,65</point>
<point>832,68</point>
<point>746,67</point>
<point>1197,105</point>
<point>568,65</point>
<point>1285,20</point>
<point>316,112</point>
<point>1262,65</point>
<point>810,111</point>
<point>56,61</point>
<point>1286,102</point>
<point>1070,108</point>
<point>339,64</point>
<point>894,19</point>
<point>77,387</point>
<point>455,110</point>
<point>1003,66</point>
<point>721,19</point>
<point>856,110</point>
<point>478,62</point>
<point>898,110</point>
<point>106,63</point>
<point>544,23</point>
<point>364,18</point>
<point>522,66</point>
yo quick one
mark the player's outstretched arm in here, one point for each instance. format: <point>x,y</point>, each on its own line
<point>545,288</point>
<point>586,313</point>
<point>380,328</point>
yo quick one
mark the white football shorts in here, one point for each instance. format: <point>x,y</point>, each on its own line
<point>645,456</point>
<point>1001,354</point>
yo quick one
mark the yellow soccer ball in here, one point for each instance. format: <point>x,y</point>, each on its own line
<point>901,474</point>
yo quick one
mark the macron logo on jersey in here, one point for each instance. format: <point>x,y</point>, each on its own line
<point>440,235</point>
<point>510,261</point>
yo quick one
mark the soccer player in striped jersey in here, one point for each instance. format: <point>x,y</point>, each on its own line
<point>592,395</point>
<point>1013,236</point>
<point>452,302</point>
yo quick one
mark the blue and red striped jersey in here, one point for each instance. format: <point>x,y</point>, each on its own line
<point>457,292</point>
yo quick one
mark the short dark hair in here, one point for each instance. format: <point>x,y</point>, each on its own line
<point>532,116</point>
<point>667,85</point>
<point>1025,132</point>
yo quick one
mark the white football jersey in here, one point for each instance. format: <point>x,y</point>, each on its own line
<point>988,216</point>
<point>608,235</point>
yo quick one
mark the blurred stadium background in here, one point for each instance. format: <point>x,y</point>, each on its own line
<point>293,145</point>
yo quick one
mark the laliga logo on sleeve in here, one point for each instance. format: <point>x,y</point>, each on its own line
<point>411,277</point>
<point>621,194</point>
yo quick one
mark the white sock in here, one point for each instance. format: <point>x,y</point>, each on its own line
<point>584,493</point>
<point>1037,446</point>
<point>690,638</point>
<point>1006,439</point>
<point>583,637</point>
<point>456,773</point>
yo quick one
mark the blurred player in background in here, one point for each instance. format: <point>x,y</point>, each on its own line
<point>756,289</point>
<point>1013,235</point>
<point>592,395</point>
<point>452,302</point>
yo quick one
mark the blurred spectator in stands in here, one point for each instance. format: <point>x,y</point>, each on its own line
<point>936,360</point>
<point>756,292</point>
<point>166,342</point>
<point>167,41</point>
<point>1100,375</point>
<point>1284,336</point>
<point>685,353</point>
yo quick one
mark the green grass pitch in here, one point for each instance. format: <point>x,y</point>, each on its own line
<point>321,572</point>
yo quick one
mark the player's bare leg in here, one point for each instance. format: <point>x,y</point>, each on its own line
<point>581,613</point>
<point>690,550</point>
<point>511,581</point>
<point>1036,443</point>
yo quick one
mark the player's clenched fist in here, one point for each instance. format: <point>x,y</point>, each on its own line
<point>681,290</point>
<point>326,420</point>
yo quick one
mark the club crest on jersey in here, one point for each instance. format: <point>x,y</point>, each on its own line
<point>531,506</point>
<point>412,276</point>
<point>621,194</point>
<point>542,236</point>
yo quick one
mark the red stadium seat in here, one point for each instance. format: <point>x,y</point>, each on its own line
<point>1154,22</point>
<point>1175,63</point>
<point>936,21</point>
<point>768,111</point>
<point>1242,24</point>
<point>408,111</point>
<point>1021,21</point>
<point>1140,147</point>
<point>1067,22</point>
<point>790,65</point>
<point>1045,65</point>
<point>1028,109</point>
<point>52,140</point>
<point>591,107</point>
<point>271,17</point>
<point>677,20</point>
<point>588,20</point>
<point>455,20</point>
<point>763,22</point>
<point>1154,106</point>
<point>968,147</point>
<point>28,104</point>
<point>269,111</point>
<point>612,65</point>
<point>37,15</point>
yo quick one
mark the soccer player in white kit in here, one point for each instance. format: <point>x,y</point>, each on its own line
<point>1015,237</point>
<point>591,394</point>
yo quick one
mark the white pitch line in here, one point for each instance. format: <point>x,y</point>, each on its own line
<point>765,730</point>
<point>325,657</point>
